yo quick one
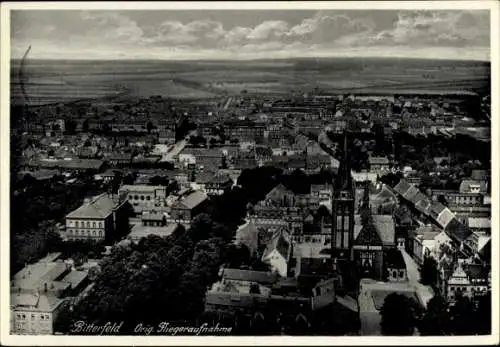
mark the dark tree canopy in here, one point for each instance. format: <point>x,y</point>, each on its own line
<point>398,317</point>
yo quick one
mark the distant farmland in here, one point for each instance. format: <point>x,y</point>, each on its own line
<point>61,81</point>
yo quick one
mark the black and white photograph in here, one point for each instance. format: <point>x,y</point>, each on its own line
<point>284,169</point>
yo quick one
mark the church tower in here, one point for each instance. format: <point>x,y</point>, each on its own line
<point>343,209</point>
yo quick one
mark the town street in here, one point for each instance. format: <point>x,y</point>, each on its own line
<point>425,293</point>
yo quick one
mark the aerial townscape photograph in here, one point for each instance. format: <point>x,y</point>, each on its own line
<point>250,172</point>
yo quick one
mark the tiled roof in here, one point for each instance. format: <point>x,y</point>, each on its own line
<point>74,278</point>
<point>402,187</point>
<point>280,242</point>
<point>368,235</point>
<point>40,303</point>
<point>34,276</point>
<point>384,224</point>
<point>192,200</point>
<point>457,231</point>
<point>100,207</point>
<point>445,217</point>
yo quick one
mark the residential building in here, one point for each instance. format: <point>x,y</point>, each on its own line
<point>188,207</point>
<point>278,251</point>
<point>469,280</point>
<point>40,292</point>
<point>101,218</point>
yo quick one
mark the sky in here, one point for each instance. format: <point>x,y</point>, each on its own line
<point>250,34</point>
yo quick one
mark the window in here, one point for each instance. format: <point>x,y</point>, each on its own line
<point>76,224</point>
<point>148,198</point>
<point>93,224</point>
<point>33,317</point>
<point>88,224</point>
<point>401,274</point>
<point>142,197</point>
<point>101,224</point>
<point>136,197</point>
<point>93,233</point>
<point>394,274</point>
<point>100,233</point>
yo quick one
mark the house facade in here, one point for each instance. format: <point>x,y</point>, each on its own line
<point>101,218</point>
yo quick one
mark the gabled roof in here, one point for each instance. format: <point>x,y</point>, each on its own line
<point>280,242</point>
<point>445,217</point>
<point>384,225</point>
<point>99,207</point>
<point>368,235</point>
<point>191,201</point>
<point>278,192</point>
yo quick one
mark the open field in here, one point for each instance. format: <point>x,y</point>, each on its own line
<point>60,81</point>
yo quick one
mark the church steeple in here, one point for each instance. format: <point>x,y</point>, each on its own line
<point>343,206</point>
<point>344,178</point>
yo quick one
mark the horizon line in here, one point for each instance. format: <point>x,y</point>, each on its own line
<point>256,59</point>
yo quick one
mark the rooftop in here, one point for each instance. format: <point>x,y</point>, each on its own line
<point>99,207</point>
<point>192,200</point>
<point>140,231</point>
<point>261,277</point>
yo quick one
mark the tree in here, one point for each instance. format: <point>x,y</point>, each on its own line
<point>397,316</point>
<point>483,314</point>
<point>436,318</point>
<point>429,271</point>
<point>463,317</point>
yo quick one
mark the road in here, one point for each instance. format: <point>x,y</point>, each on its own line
<point>425,293</point>
<point>177,148</point>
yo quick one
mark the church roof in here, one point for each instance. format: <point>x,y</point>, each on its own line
<point>368,235</point>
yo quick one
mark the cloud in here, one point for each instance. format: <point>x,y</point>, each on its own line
<point>452,28</point>
<point>113,26</point>
<point>326,29</point>
<point>321,33</point>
